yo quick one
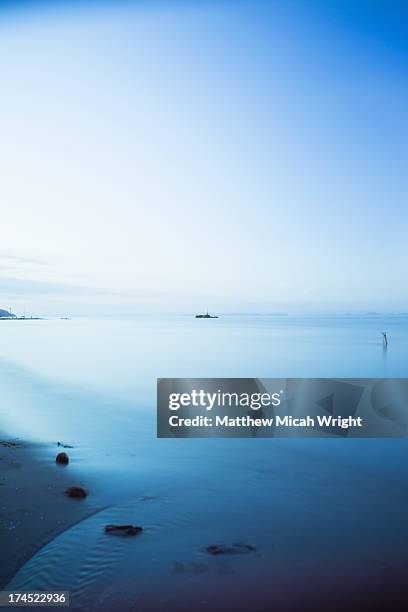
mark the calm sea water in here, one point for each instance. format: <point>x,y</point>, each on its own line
<point>319,512</point>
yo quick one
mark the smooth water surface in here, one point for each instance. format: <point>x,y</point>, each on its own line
<point>332,509</point>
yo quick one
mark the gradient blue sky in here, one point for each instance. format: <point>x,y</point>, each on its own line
<point>169,156</point>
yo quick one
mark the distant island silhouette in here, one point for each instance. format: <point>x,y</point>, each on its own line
<point>6,314</point>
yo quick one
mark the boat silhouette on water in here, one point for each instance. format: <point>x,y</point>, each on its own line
<point>206,316</point>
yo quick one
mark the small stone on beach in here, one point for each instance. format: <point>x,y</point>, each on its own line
<point>77,492</point>
<point>130,530</point>
<point>62,459</point>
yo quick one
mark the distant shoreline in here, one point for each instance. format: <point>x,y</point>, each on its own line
<point>22,319</point>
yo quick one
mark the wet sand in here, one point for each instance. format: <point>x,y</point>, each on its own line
<point>314,563</point>
<point>33,506</point>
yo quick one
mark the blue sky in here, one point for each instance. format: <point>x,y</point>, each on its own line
<point>240,155</point>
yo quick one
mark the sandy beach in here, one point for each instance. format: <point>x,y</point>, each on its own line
<point>33,506</point>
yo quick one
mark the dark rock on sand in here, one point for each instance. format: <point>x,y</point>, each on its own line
<point>62,459</point>
<point>236,549</point>
<point>129,530</point>
<point>77,492</point>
